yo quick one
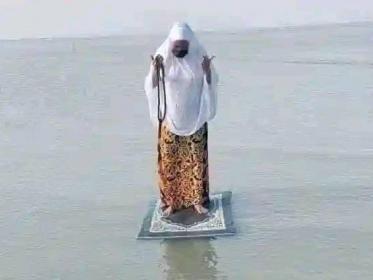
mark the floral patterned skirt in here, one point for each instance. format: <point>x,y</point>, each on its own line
<point>183,169</point>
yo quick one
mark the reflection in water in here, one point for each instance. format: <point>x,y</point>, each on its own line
<point>189,259</point>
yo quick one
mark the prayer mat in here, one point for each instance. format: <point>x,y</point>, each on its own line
<point>187,223</point>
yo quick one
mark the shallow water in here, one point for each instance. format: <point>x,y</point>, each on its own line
<point>293,140</point>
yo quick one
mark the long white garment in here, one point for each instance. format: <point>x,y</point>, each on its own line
<point>191,101</point>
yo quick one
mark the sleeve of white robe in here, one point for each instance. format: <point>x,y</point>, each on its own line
<point>152,96</point>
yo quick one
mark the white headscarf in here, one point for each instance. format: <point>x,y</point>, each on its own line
<point>191,101</point>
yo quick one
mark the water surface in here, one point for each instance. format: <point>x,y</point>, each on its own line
<point>293,140</point>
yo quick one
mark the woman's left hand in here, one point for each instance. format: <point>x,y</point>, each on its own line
<point>206,64</point>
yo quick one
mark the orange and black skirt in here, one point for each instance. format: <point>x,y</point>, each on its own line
<point>183,175</point>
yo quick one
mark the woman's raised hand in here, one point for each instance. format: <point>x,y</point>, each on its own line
<point>206,66</point>
<point>157,61</point>
<point>206,63</point>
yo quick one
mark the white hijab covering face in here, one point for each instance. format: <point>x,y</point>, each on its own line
<point>190,100</point>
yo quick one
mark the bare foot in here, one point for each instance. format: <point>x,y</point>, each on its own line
<point>200,209</point>
<point>168,211</point>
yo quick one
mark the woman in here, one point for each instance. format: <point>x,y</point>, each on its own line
<point>190,102</point>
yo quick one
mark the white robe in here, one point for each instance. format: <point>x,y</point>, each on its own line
<point>191,101</point>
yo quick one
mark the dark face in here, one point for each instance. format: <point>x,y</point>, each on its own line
<point>180,48</point>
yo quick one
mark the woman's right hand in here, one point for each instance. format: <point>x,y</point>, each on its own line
<point>157,61</point>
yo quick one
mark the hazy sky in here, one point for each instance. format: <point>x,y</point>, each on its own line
<point>45,18</point>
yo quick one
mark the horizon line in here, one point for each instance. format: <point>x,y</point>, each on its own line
<point>206,30</point>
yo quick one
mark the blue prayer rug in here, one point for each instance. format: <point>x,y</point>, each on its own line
<point>187,223</point>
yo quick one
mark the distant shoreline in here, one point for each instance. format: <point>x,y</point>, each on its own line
<point>205,31</point>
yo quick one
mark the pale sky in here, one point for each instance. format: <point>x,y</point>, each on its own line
<point>54,18</point>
